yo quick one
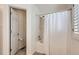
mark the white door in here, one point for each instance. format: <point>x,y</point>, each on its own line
<point>22,29</point>
<point>14,31</point>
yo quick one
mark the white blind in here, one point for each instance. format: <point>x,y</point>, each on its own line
<point>76,17</point>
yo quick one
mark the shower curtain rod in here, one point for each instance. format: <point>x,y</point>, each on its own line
<point>53,12</point>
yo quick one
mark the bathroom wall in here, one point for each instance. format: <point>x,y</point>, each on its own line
<point>75,46</point>
<point>1,29</point>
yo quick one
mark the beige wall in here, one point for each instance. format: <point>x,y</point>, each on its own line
<point>5,30</point>
<point>31,29</point>
<point>1,29</point>
<point>75,46</point>
<point>35,27</point>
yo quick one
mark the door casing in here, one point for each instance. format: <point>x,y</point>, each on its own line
<point>10,27</point>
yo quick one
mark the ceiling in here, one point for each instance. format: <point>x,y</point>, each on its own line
<point>48,8</point>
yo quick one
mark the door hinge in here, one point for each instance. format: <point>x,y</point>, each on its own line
<point>73,5</point>
<point>10,12</point>
<point>10,50</point>
<point>11,31</point>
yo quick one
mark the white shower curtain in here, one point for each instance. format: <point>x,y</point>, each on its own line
<point>56,30</point>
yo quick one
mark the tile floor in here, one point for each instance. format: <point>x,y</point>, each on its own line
<point>21,52</point>
<point>38,53</point>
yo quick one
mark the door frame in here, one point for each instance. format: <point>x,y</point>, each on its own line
<point>10,26</point>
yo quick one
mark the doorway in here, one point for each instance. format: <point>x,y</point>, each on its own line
<point>17,31</point>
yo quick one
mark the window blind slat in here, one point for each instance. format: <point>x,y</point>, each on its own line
<point>76,18</point>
